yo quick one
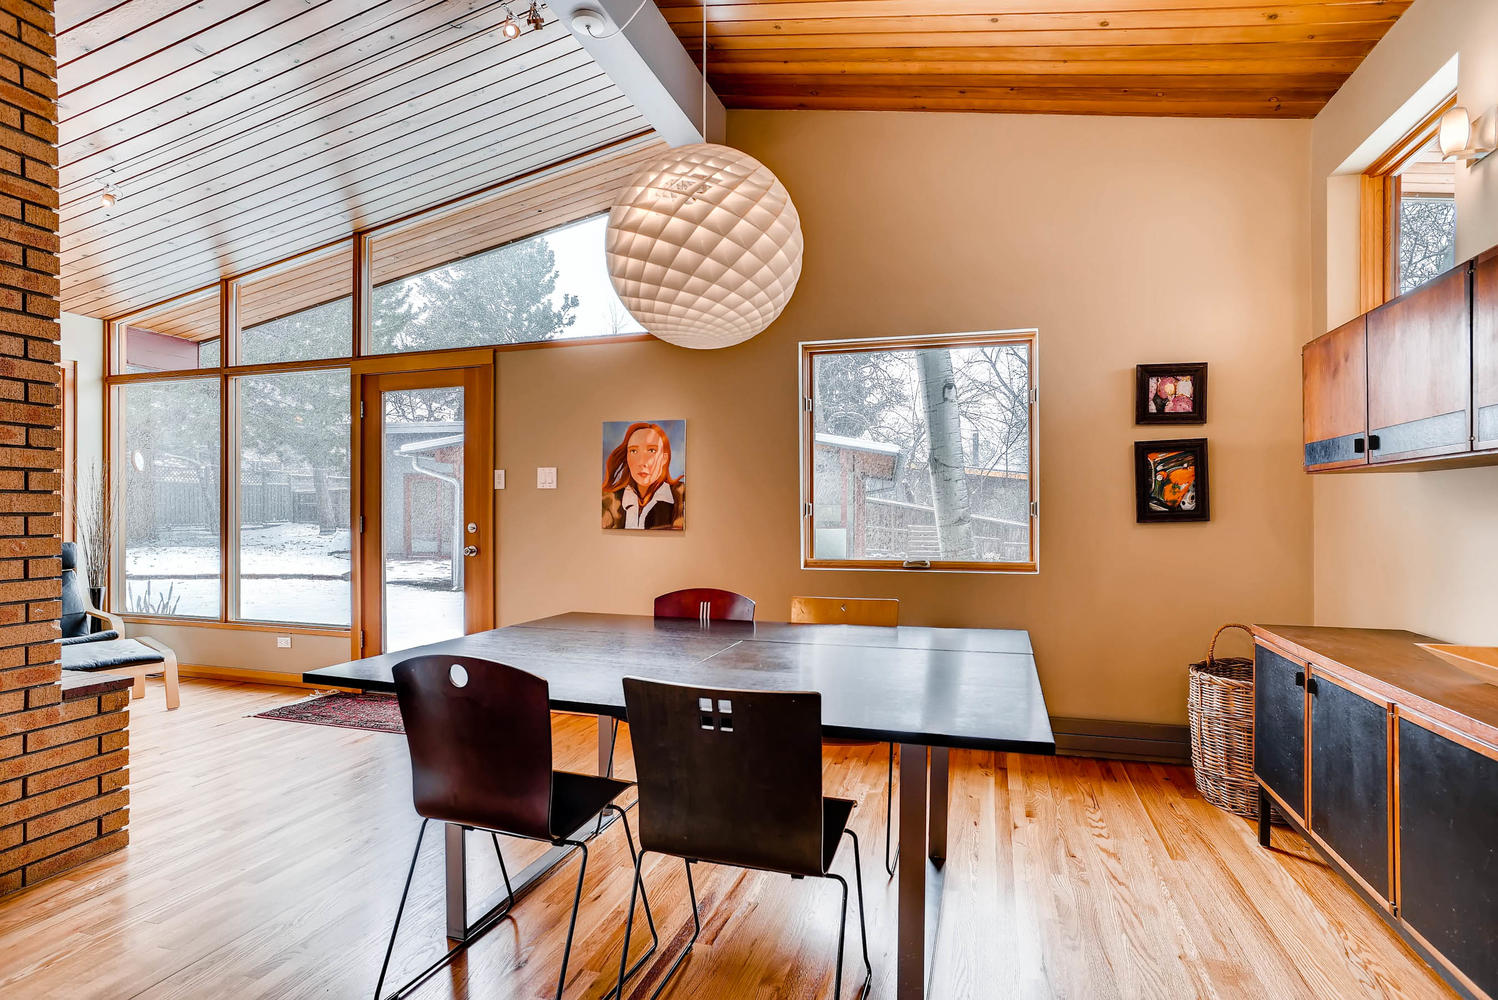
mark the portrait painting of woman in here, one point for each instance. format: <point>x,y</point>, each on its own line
<point>644,475</point>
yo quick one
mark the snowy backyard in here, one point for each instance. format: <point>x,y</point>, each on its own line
<point>291,573</point>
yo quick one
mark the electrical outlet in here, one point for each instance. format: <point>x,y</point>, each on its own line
<point>546,479</point>
<point>283,642</point>
<point>499,479</point>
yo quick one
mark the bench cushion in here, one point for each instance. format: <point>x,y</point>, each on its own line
<point>109,653</point>
<point>105,636</point>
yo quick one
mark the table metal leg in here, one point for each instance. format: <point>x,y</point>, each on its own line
<point>938,805</point>
<point>910,981</point>
<point>457,882</point>
<point>607,730</point>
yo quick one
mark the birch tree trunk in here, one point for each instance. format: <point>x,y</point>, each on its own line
<point>954,522</point>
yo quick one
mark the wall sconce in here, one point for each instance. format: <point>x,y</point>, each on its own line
<point>1462,138</point>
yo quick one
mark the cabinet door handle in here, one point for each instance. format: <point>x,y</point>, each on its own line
<point>1300,678</point>
<point>1373,442</point>
<point>1311,686</point>
<point>1359,446</point>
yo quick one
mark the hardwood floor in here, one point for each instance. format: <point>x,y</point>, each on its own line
<point>266,860</point>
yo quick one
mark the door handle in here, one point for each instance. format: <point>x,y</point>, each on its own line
<point>470,550</point>
<point>1300,678</point>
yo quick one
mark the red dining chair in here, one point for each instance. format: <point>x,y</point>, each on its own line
<point>705,604</point>
<point>479,734</point>
<point>735,778</point>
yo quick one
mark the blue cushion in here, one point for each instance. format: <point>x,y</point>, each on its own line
<point>109,653</point>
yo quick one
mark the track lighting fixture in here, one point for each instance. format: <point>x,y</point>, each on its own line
<point>533,18</point>
<point>510,28</point>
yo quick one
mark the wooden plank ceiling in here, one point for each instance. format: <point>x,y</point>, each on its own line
<point>1198,58</point>
<point>238,132</point>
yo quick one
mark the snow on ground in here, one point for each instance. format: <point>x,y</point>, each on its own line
<point>291,573</point>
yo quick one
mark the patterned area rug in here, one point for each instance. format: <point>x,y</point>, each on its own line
<point>376,712</point>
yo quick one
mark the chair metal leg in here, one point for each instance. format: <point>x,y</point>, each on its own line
<point>509,890</point>
<point>697,928</point>
<point>390,948</point>
<point>649,919</point>
<point>863,925</point>
<point>842,934</point>
<point>577,901</point>
<point>889,816</point>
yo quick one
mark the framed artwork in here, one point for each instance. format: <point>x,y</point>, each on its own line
<point>645,475</point>
<point>1170,394</point>
<point>1170,481</point>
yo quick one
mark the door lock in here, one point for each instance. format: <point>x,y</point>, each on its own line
<point>470,550</point>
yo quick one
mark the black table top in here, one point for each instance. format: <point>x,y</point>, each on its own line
<point>974,688</point>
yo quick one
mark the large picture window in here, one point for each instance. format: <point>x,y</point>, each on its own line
<point>920,453</point>
<point>297,312</point>
<point>170,462</point>
<point>293,497</point>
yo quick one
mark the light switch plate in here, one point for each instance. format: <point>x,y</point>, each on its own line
<point>283,642</point>
<point>546,478</point>
<point>499,479</point>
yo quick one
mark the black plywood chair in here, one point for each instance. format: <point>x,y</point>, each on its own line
<point>479,734</point>
<point>735,778</point>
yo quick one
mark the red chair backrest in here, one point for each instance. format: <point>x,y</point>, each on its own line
<point>720,605</point>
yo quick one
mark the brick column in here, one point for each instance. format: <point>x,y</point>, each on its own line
<point>59,802</point>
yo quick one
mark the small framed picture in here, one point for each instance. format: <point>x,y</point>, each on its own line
<point>1170,481</point>
<point>1170,394</point>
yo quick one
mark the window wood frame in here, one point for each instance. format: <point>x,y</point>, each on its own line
<point>1380,194</point>
<point>810,350</point>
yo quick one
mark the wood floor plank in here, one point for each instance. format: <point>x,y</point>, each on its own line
<point>266,858</point>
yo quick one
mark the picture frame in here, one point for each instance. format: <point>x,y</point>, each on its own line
<point>1158,395</point>
<point>1171,481</point>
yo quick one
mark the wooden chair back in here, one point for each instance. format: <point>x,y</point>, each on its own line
<point>882,611</point>
<point>727,776</point>
<point>479,733</point>
<point>705,604</point>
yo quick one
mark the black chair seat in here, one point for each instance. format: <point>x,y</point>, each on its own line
<point>835,815</point>
<point>110,653</point>
<point>73,640</point>
<point>578,798</point>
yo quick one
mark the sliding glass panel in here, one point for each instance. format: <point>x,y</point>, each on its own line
<point>171,497</point>
<point>299,312</point>
<point>422,513</point>
<point>440,285</point>
<point>293,501</point>
<point>179,336</point>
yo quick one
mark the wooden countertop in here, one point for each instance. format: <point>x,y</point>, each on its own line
<point>1389,664</point>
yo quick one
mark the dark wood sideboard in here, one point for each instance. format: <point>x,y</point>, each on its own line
<point>1415,380</point>
<point>1385,757</point>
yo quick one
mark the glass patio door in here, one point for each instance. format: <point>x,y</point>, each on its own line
<point>426,542</point>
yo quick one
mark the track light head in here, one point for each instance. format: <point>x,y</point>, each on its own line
<point>510,29</point>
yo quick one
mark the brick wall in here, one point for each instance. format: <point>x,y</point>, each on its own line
<point>62,753</point>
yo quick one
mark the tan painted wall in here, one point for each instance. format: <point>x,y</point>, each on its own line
<point>1406,550</point>
<point>1122,240</point>
<point>83,342</point>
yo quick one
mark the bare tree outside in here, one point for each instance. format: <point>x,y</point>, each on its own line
<point>948,470</point>
<point>1427,239</point>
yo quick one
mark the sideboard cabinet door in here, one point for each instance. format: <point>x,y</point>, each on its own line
<point>1334,387</point>
<point>1280,727</point>
<point>1420,371</point>
<point>1350,780</point>
<point>1448,849</point>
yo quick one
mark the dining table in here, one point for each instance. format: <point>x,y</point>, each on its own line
<point>927,690</point>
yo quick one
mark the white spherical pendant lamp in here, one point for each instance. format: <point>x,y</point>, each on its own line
<point>704,246</point>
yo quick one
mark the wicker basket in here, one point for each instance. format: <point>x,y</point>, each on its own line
<point>1221,709</point>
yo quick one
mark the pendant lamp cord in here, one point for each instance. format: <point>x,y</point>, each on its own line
<point>704,70</point>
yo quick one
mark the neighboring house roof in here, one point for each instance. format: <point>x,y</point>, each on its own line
<point>858,444</point>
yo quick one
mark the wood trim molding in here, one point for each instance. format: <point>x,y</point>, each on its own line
<point>250,675</point>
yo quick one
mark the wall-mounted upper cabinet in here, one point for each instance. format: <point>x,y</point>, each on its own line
<point>1334,378</point>
<point>1485,352</point>
<point>1420,372</point>
<point>1415,380</point>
